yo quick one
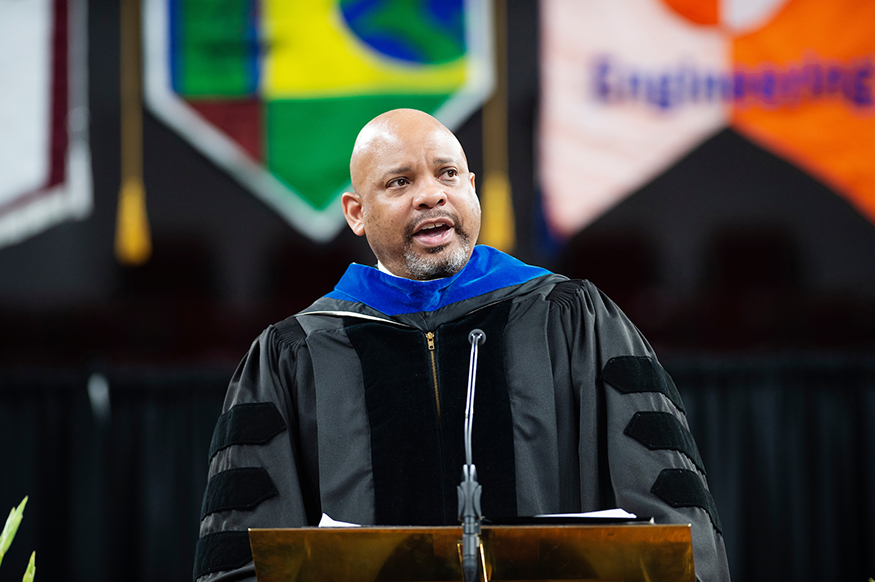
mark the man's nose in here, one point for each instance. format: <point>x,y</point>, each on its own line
<point>430,195</point>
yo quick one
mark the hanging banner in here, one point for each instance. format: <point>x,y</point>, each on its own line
<point>628,88</point>
<point>44,154</point>
<point>275,91</point>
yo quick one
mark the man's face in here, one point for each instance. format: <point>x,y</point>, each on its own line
<point>414,199</point>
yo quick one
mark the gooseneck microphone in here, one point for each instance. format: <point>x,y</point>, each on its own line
<point>469,490</point>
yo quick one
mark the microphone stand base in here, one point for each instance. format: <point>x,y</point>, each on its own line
<point>484,571</point>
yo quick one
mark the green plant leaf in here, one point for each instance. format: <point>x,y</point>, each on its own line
<point>11,527</point>
<point>31,569</point>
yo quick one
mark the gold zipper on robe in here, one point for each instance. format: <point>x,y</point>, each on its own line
<point>429,336</point>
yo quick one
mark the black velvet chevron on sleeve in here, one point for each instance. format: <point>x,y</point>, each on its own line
<point>661,430</point>
<point>221,551</point>
<point>252,423</point>
<point>684,488</point>
<point>242,488</point>
<point>631,374</point>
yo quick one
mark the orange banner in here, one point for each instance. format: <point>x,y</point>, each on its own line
<point>630,87</point>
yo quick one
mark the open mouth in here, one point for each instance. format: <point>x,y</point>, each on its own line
<point>434,232</point>
<point>433,229</point>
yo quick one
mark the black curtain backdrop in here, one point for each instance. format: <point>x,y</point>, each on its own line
<point>789,444</point>
<point>113,494</point>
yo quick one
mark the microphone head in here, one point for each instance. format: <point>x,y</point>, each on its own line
<point>478,336</point>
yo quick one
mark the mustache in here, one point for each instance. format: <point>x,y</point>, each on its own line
<point>434,214</point>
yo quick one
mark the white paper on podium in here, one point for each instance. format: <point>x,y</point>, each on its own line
<point>326,521</point>
<point>616,513</point>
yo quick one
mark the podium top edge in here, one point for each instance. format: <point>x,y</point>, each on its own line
<point>448,528</point>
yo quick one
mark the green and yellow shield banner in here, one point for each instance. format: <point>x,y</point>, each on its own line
<point>275,91</point>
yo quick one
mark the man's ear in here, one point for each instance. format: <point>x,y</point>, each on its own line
<point>473,187</point>
<point>353,212</point>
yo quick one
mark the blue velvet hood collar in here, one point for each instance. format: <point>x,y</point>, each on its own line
<point>488,270</point>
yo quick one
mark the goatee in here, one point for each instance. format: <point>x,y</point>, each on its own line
<point>439,262</point>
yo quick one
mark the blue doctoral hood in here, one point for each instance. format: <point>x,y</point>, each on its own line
<point>487,270</point>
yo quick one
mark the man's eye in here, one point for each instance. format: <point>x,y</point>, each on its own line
<point>398,182</point>
<point>451,173</point>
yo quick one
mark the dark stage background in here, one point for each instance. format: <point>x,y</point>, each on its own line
<point>755,283</point>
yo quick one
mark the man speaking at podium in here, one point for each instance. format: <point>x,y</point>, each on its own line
<point>354,407</point>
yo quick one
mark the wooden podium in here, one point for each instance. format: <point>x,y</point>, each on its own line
<point>634,552</point>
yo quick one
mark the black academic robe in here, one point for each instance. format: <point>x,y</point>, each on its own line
<point>355,406</point>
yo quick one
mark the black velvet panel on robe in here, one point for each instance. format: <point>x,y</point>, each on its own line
<point>417,456</point>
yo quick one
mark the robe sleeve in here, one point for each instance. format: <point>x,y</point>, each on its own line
<point>257,475</point>
<point>650,464</point>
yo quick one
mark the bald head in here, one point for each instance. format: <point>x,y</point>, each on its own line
<point>413,196</point>
<point>393,130</point>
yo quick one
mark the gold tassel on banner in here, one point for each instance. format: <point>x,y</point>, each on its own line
<point>498,229</point>
<point>133,244</point>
